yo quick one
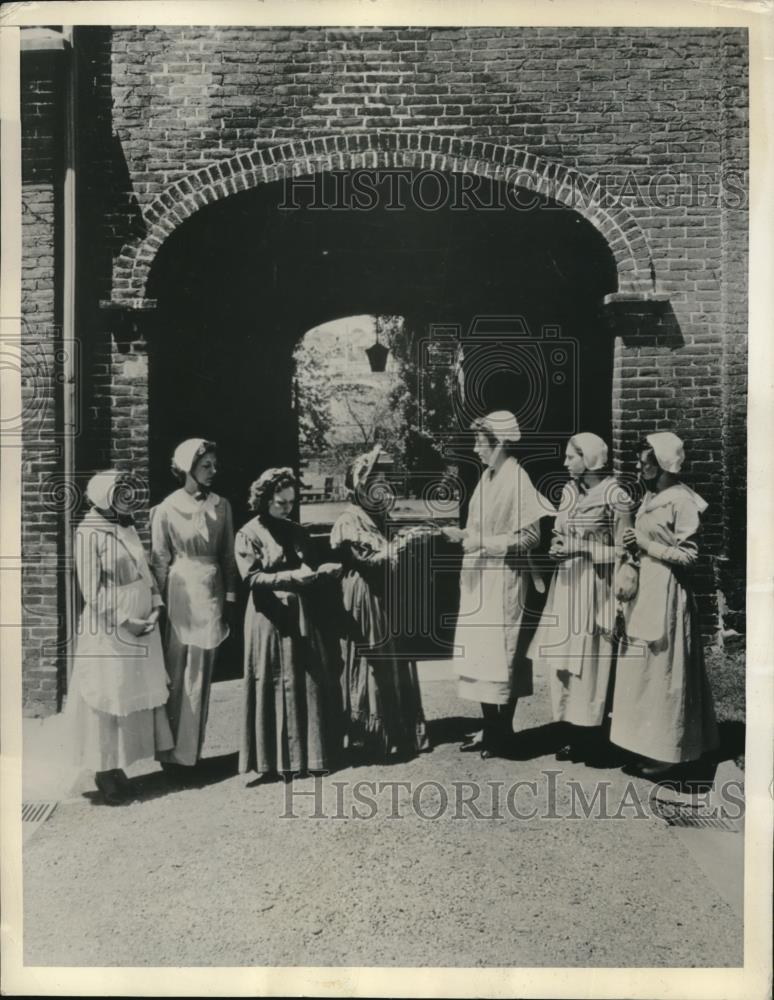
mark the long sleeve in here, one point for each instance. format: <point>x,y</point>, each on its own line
<point>603,554</point>
<point>88,566</point>
<point>684,551</point>
<point>157,601</point>
<point>95,563</point>
<point>513,543</point>
<point>226,554</point>
<point>358,556</point>
<point>356,549</point>
<point>249,563</point>
<point>161,548</point>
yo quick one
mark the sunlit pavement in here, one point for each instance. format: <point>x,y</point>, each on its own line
<point>444,860</point>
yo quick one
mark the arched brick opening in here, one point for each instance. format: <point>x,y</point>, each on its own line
<point>416,151</point>
<point>240,282</point>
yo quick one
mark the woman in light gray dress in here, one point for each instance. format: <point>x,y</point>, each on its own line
<point>115,713</point>
<point>575,640</point>
<point>193,562</point>
<point>662,707</point>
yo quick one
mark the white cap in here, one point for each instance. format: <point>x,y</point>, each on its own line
<point>668,449</point>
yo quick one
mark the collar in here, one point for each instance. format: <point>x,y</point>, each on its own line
<point>509,461</point>
<point>598,494</point>
<point>186,503</point>
<point>672,494</point>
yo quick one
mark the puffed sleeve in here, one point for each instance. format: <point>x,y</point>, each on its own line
<point>161,547</point>
<point>352,549</point>
<point>685,550</point>
<point>226,553</point>
<point>250,560</point>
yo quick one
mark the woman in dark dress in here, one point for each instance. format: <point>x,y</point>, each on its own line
<point>382,700</point>
<point>292,706</point>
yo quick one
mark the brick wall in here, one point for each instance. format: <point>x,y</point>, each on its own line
<point>42,491</point>
<point>179,117</point>
<point>734,220</point>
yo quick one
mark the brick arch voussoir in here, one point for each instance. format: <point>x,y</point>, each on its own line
<point>414,150</point>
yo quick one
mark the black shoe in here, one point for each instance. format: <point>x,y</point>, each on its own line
<point>653,770</point>
<point>112,793</point>
<point>567,752</point>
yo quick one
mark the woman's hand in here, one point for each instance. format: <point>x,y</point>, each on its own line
<point>635,541</point>
<point>422,531</point>
<point>138,626</point>
<point>563,547</point>
<point>454,534</point>
<point>470,544</point>
<point>304,575</point>
<point>150,622</point>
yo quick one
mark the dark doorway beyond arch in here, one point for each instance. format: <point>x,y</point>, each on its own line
<point>239,284</point>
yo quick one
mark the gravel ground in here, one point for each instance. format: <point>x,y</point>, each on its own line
<point>214,875</point>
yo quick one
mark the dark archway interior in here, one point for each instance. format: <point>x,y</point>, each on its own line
<point>241,281</point>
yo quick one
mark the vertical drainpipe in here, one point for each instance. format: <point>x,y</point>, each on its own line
<point>69,373</point>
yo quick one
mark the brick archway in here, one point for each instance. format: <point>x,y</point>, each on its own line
<point>384,150</point>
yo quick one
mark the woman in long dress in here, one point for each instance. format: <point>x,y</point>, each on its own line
<point>291,704</point>
<point>503,527</point>
<point>662,706</point>
<point>382,699</point>
<point>118,689</point>
<point>193,561</point>
<point>575,638</point>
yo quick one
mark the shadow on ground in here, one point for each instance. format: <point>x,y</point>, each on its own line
<point>454,729</point>
<point>209,771</point>
<point>732,740</point>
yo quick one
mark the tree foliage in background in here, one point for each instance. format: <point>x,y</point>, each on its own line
<point>371,413</point>
<point>423,398</point>
<point>409,422</point>
<point>312,390</point>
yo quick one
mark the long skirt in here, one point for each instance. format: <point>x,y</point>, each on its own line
<point>100,741</point>
<point>662,704</point>
<point>190,671</point>
<point>382,702</point>
<point>581,698</point>
<point>291,709</point>
<point>493,633</point>
<point>486,692</point>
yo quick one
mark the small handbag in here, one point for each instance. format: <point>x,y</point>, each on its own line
<point>627,578</point>
<point>626,585</point>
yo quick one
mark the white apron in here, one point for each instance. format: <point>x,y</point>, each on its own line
<point>193,561</point>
